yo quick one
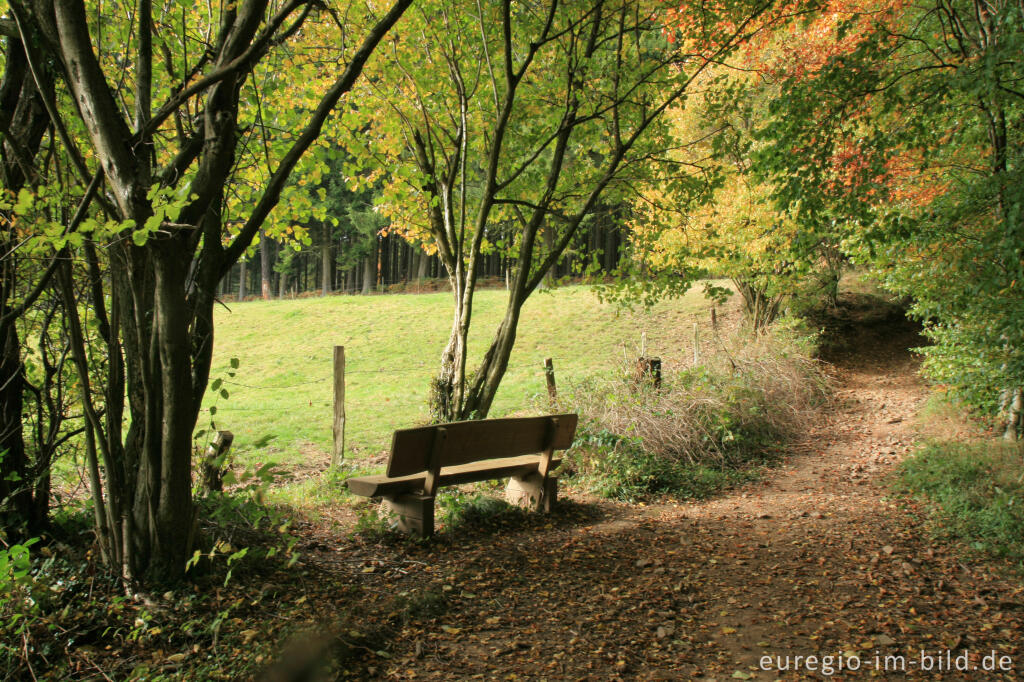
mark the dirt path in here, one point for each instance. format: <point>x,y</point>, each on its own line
<point>816,561</point>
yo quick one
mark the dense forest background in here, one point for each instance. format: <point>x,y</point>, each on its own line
<point>342,259</point>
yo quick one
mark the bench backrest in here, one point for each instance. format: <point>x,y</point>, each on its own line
<point>413,450</point>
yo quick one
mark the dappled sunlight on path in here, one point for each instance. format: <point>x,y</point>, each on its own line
<point>814,561</point>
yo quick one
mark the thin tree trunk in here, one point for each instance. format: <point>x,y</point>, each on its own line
<point>266,263</point>
<point>325,261</point>
<point>551,276</point>
<point>610,255</point>
<point>169,531</point>
<point>423,266</point>
<point>15,495</point>
<point>369,271</point>
<point>241,280</point>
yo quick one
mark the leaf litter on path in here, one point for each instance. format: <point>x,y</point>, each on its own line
<point>815,562</point>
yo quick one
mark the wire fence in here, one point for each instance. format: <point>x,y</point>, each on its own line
<point>419,371</point>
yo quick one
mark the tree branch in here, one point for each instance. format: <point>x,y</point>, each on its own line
<point>272,194</point>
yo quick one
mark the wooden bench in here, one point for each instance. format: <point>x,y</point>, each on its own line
<point>426,458</point>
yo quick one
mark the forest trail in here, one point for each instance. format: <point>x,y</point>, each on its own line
<point>814,561</point>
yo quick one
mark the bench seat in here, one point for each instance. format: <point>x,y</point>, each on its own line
<point>485,470</point>
<point>426,458</point>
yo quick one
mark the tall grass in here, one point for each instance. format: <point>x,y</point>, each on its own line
<point>706,425</point>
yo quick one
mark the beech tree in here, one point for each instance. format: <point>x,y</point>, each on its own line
<point>502,125</point>
<point>157,115</point>
<point>732,227</point>
<point>906,119</point>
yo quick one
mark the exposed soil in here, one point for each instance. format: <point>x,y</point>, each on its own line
<point>817,560</point>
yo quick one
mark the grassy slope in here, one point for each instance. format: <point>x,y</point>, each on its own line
<point>392,345</point>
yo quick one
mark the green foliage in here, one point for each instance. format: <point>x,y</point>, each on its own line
<point>20,591</point>
<point>618,467</point>
<point>374,526</point>
<point>911,135</point>
<point>242,516</point>
<point>975,491</point>
<point>64,612</point>
<point>25,596</point>
<point>722,222</point>
<point>457,509</point>
<point>14,568</point>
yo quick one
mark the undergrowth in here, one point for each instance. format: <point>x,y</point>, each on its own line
<point>455,509</point>
<point>63,615</point>
<point>708,427</point>
<point>975,492</point>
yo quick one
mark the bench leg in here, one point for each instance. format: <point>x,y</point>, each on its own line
<point>533,492</point>
<point>413,513</point>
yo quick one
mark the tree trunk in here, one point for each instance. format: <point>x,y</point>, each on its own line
<point>423,265</point>
<point>760,307</point>
<point>282,283</point>
<point>171,524</point>
<point>610,255</point>
<point>241,280</point>
<point>266,264</point>
<point>369,271</point>
<point>551,276</point>
<point>24,120</point>
<point>15,493</point>
<point>447,389</point>
<point>415,267</point>
<point>159,338</point>
<point>480,395</point>
<point>325,261</point>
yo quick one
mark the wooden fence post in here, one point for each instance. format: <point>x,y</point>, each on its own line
<point>339,406</point>
<point>696,345</point>
<point>549,375</point>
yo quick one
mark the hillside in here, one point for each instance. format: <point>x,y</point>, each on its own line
<point>283,388</point>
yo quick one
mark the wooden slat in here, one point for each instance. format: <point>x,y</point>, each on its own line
<point>434,463</point>
<point>471,441</point>
<point>380,485</point>
<point>549,447</point>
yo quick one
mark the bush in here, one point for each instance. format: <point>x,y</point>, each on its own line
<point>976,492</point>
<point>706,428</point>
<point>460,509</point>
<point>621,469</point>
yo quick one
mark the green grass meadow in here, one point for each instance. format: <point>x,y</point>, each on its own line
<point>283,386</point>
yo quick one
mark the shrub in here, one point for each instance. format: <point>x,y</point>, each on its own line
<point>704,428</point>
